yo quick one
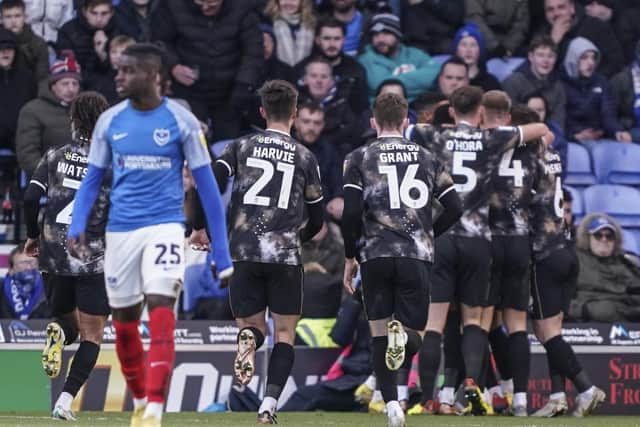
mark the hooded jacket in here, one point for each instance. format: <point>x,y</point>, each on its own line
<point>47,16</point>
<point>589,100</point>
<point>17,87</point>
<point>33,53</point>
<point>43,123</point>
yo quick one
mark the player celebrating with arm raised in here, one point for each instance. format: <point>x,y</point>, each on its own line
<point>71,283</point>
<point>275,178</point>
<point>145,140</point>
<point>389,187</point>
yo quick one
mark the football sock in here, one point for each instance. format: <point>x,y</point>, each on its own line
<point>482,380</point>
<point>562,357</point>
<point>83,362</point>
<point>474,343</point>
<point>520,357</point>
<point>429,364</point>
<point>131,356</point>
<point>371,382</point>
<point>162,324</point>
<point>413,346</point>
<point>557,379</point>
<point>452,347</point>
<point>68,328</point>
<point>257,334</point>
<point>386,378</point>
<point>280,364</point>
<point>500,348</point>
<point>65,400</point>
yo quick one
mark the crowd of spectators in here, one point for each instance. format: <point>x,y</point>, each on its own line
<point>580,69</point>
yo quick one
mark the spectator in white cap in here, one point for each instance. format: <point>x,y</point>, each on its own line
<point>387,57</point>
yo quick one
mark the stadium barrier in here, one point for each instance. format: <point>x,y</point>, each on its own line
<point>205,352</point>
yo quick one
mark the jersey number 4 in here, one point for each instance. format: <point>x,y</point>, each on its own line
<point>251,197</point>
<point>402,192</point>
<point>64,216</point>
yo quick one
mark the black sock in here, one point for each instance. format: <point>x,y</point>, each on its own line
<point>412,347</point>
<point>386,379</point>
<point>452,347</point>
<point>500,350</point>
<point>520,357</point>
<point>83,362</point>
<point>486,362</point>
<point>474,343</point>
<point>257,334</point>
<point>562,357</point>
<point>68,327</point>
<point>280,364</point>
<point>429,364</point>
<point>557,379</point>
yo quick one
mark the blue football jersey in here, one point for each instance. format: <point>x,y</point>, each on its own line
<point>147,150</point>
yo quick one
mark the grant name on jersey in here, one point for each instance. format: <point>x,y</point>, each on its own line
<point>399,157</point>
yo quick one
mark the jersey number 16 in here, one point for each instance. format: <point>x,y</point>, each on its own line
<point>402,192</point>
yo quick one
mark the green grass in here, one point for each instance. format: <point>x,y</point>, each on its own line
<point>316,419</point>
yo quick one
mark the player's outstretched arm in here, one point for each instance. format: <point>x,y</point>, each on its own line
<point>351,231</point>
<point>533,131</point>
<point>452,205</point>
<point>214,213</point>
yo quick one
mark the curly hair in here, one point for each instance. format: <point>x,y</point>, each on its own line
<point>307,14</point>
<point>85,110</point>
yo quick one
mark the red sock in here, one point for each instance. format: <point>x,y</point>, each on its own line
<point>162,354</point>
<point>131,356</point>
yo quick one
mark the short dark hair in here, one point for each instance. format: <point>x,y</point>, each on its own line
<point>466,100</point>
<point>311,106</point>
<point>88,4</point>
<point>85,110</point>
<point>278,99</point>
<point>427,100</point>
<point>542,40</point>
<point>318,60</point>
<point>15,251</point>
<point>538,94</point>
<point>523,115</point>
<point>392,82</point>
<point>153,54</point>
<point>330,22</point>
<point>390,110</point>
<point>441,116</point>
<point>10,4</point>
<point>454,60</point>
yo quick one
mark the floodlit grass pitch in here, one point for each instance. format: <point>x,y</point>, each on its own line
<point>316,419</point>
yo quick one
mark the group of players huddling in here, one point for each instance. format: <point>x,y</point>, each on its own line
<point>112,240</point>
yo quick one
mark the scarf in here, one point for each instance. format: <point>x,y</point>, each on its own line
<point>292,44</point>
<point>635,76</point>
<point>23,291</point>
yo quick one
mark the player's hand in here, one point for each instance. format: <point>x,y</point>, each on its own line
<point>224,276</point>
<point>559,28</point>
<point>77,248</point>
<point>314,267</point>
<point>32,247</point>
<point>199,240</point>
<point>350,271</point>
<point>184,75</point>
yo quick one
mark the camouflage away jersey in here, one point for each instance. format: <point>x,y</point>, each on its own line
<point>274,176</point>
<point>548,230</point>
<point>470,155</point>
<point>511,187</point>
<point>59,174</point>
<point>398,180</point>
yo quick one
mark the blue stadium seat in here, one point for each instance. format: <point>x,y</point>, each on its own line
<point>616,163</point>
<point>441,59</point>
<point>503,69</point>
<point>630,242</point>
<point>619,201</point>
<point>579,172</point>
<point>577,206</point>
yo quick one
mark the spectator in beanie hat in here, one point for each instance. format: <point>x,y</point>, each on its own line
<point>468,44</point>
<point>43,123</point>
<point>386,57</point>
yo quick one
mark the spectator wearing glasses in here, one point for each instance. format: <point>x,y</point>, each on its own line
<point>608,285</point>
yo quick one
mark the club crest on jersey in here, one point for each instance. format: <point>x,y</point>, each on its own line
<point>161,136</point>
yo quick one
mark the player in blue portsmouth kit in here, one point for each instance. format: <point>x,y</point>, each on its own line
<point>146,140</point>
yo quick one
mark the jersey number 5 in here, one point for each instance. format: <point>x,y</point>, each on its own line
<point>251,197</point>
<point>64,216</point>
<point>402,193</point>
